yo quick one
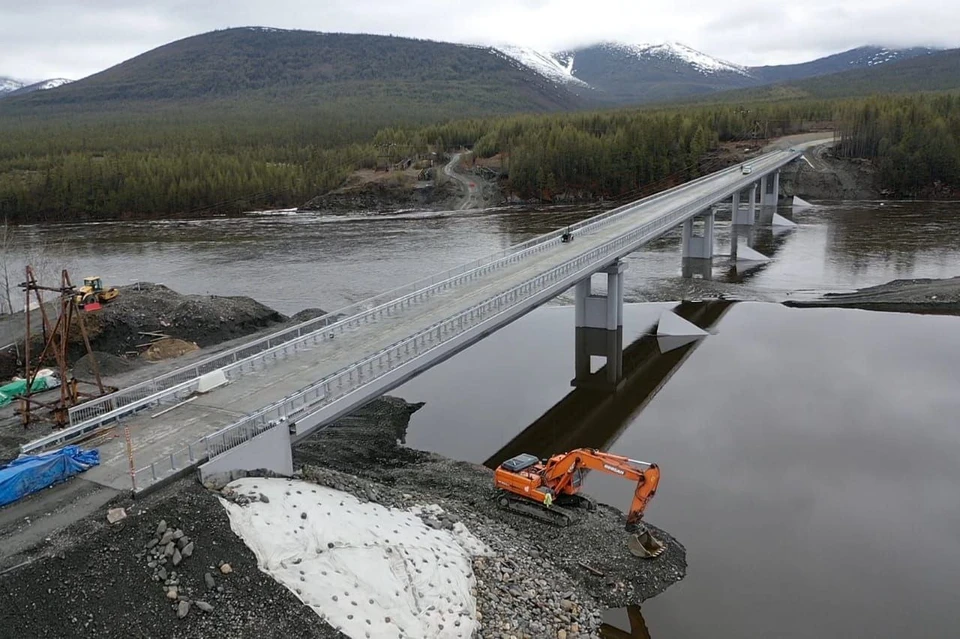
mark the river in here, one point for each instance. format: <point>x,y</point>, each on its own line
<point>808,456</point>
<point>293,261</point>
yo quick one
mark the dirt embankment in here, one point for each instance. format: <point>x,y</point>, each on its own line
<point>820,175</point>
<point>929,296</point>
<point>143,312</point>
<point>96,580</point>
<point>459,185</point>
<point>385,192</point>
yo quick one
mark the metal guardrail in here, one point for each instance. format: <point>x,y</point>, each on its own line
<point>161,389</point>
<point>353,377</point>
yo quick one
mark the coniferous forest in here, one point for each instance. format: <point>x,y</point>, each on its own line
<point>196,161</point>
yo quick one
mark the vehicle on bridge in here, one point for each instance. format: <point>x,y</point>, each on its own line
<point>545,489</point>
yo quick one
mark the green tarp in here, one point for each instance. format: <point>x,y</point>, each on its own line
<point>11,390</point>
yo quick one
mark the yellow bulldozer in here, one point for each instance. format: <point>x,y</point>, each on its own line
<point>91,296</point>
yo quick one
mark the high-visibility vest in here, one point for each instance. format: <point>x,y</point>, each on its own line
<point>547,500</point>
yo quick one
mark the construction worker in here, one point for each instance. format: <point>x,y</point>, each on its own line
<point>548,500</point>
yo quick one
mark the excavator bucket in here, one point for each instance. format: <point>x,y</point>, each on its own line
<point>645,545</point>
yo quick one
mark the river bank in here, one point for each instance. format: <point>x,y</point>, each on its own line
<point>926,296</point>
<point>532,585</point>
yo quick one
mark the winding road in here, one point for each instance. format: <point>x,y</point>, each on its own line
<point>473,197</point>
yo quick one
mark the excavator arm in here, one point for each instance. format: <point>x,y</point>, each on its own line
<point>561,470</point>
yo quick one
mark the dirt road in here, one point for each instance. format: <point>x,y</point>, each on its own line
<point>471,186</point>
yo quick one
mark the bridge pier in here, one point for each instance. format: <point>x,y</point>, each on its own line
<point>697,240</point>
<point>748,215</point>
<point>604,311</point>
<point>770,189</point>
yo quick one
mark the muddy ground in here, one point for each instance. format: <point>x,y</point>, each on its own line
<point>93,579</point>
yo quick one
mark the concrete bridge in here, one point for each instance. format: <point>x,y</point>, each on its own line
<point>246,406</point>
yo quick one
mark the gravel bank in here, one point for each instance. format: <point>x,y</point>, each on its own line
<point>928,296</point>
<point>136,578</point>
<point>96,579</point>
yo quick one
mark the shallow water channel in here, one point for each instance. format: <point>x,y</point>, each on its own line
<point>809,457</point>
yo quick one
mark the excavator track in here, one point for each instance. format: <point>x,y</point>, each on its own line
<point>554,515</point>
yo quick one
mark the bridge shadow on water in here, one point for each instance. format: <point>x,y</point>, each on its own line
<point>624,623</point>
<point>602,405</point>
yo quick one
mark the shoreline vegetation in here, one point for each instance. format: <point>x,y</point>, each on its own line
<point>184,162</point>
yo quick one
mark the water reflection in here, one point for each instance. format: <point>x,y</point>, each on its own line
<point>602,405</point>
<point>809,458</point>
<point>624,623</point>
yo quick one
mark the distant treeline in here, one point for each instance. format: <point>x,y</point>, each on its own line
<point>914,140</point>
<point>617,153</point>
<point>199,160</point>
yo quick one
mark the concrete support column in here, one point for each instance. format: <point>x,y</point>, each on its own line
<point>770,189</point>
<point>581,293</point>
<point>747,215</point>
<point>601,311</point>
<point>697,239</point>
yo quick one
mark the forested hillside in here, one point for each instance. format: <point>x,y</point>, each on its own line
<point>241,68</point>
<point>914,140</point>
<point>224,162</point>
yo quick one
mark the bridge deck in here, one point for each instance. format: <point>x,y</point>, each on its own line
<point>155,436</point>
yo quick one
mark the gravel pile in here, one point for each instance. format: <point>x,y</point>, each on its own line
<point>154,308</point>
<point>107,364</point>
<point>94,580</point>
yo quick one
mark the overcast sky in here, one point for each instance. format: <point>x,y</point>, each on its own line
<point>42,39</point>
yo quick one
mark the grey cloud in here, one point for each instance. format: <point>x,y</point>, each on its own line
<point>76,38</point>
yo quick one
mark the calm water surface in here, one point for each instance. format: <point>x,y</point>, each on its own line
<point>295,261</point>
<point>809,459</point>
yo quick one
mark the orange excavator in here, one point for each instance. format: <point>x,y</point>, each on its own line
<point>544,489</point>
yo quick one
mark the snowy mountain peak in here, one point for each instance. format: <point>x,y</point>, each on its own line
<point>705,64</point>
<point>555,67</point>
<point>8,84</point>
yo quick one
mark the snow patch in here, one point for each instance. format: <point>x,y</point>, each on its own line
<point>551,66</point>
<point>8,84</point>
<point>700,61</point>
<point>53,84</point>
<point>368,570</point>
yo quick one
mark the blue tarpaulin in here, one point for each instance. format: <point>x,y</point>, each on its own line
<point>29,473</point>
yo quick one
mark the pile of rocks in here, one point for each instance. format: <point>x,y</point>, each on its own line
<point>164,552</point>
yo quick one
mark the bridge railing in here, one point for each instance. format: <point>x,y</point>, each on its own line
<point>172,386</point>
<point>351,378</point>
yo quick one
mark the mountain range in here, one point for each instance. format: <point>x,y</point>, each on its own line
<point>9,86</point>
<point>631,74</point>
<point>431,79</point>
